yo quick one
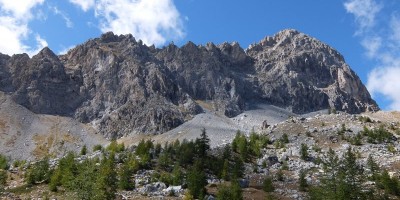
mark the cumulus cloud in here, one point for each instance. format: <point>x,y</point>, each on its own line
<point>385,80</point>
<point>85,5</point>
<point>14,19</point>
<point>152,21</point>
<point>381,44</point>
<point>364,11</point>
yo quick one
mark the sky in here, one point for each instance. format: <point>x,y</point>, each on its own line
<point>365,32</point>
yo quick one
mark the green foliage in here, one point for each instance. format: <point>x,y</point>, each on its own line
<point>225,170</point>
<point>373,168</point>
<point>38,172</point>
<point>84,182</point>
<point>106,180</point>
<point>231,192</point>
<point>186,153</point>
<point>342,178</point>
<point>390,185</point>
<point>279,144</point>
<point>365,119</point>
<point>391,148</point>
<point>202,144</point>
<point>3,162</point>
<point>238,168</point>
<point>115,147</point>
<point>144,147</point>
<point>302,181</point>
<point>304,151</point>
<point>377,136</point>
<point>197,180</point>
<point>84,150</point>
<point>356,140</point>
<point>240,145</point>
<point>256,143</point>
<point>125,181</point>
<point>279,175</point>
<point>3,179</point>
<point>97,147</point>
<point>177,175</point>
<point>284,138</point>
<point>19,163</point>
<point>268,186</point>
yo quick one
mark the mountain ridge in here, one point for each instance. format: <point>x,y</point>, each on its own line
<point>123,87</point>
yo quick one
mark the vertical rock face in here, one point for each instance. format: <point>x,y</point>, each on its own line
<point>303,74</point>
<point>123,87</point>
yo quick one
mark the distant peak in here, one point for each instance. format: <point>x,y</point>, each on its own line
<point>45,52</point>
<point>288,32</point>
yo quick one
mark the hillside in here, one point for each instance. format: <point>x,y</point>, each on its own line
<point>123,87</point>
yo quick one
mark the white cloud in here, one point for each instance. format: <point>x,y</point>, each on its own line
<point>19,8</point>
<point>372,45</point>
<point>381,44</point>
<point>14,19</point>
<point>153,21</point>
<point>385,80</point>
<point>64,15</point>
<point>364,11</point>
<point>85,5</point>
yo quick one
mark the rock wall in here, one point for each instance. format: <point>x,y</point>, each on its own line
<point>124,87</point>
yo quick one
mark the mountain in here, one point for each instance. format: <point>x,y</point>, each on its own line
<point>123,87</point>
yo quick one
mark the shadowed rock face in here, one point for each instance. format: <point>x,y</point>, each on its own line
<point>123,87</point>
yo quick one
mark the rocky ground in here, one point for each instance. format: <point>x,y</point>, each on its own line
<point>320,132</point>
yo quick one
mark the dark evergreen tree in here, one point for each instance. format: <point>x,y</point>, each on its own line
<point>106,181</point>
<point>202,144</point>
<point>125,181</point>
<point>197,180</point>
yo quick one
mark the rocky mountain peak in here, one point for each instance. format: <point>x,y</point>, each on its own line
<point>122,86</point>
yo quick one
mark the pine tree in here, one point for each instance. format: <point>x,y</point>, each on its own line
<point>225,170</point>
<point>302,181</point>
<point>373,167</point>
<point>125,180</point>
<point>202,144</point>
<point>197,180</point>
<point>107,178</point>
<point>304,151</point>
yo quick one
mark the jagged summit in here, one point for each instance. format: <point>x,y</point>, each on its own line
<point>122,86</point>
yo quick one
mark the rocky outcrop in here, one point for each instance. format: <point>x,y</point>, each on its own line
<point>122,86</point>
<point>303,74</point>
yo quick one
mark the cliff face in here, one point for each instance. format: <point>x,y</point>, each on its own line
<point>125,87</point>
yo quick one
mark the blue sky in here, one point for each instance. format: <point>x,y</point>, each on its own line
<point>366,32</point>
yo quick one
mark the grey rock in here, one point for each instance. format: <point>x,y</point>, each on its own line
<point>124,87</point>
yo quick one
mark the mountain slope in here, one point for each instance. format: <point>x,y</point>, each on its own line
<point>124,87</point>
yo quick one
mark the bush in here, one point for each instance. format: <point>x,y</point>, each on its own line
<point>3,162</point>
<point>268,185</point>
<point>232,192</point>
<point>38,172</point>
<point>3,179</point>
<point>304,151</point>
<point>97,147</point>
<point>285,138</point>
<point>302,181</point>
<point>115,147</point>
<point>84,150</point>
